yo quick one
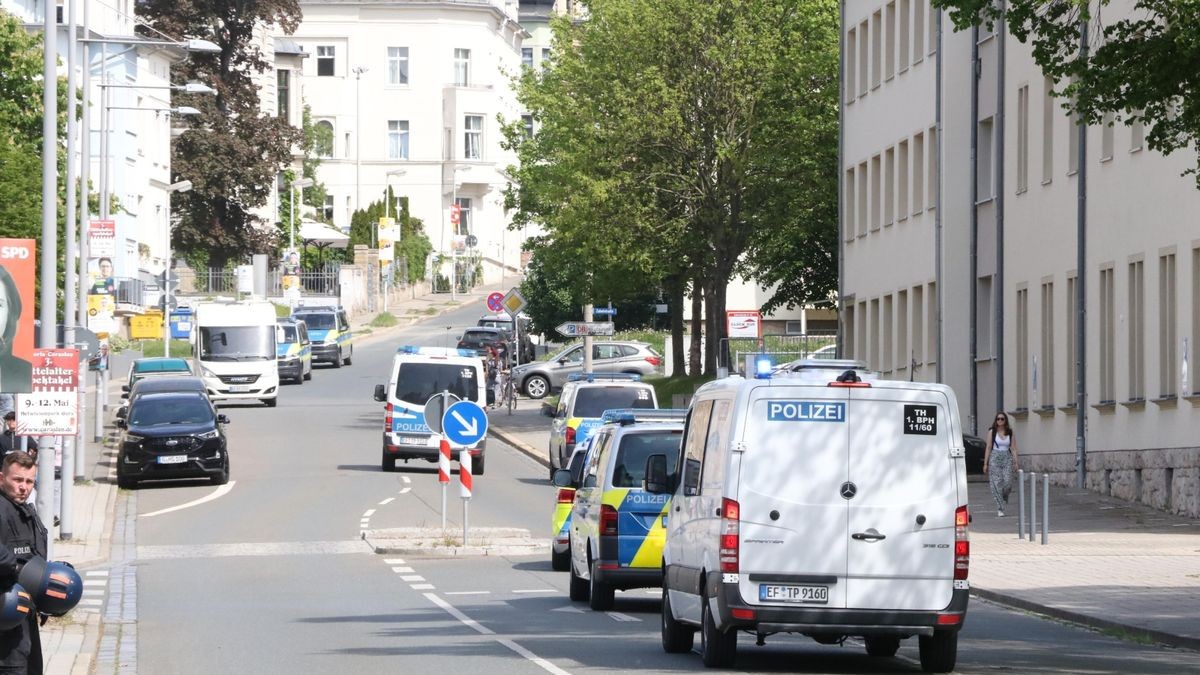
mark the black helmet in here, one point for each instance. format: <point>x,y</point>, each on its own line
<point>15,607</point>
<point>55,586</point>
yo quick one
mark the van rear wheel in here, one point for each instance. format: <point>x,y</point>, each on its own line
<point>677,638</point>
<point>717,649</point>
<point>601,595</point>
<point>579,585</point>
<point>939,652</point>
<point>882,646</point>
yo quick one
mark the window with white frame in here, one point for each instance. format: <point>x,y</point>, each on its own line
<point>397,65</point>
<point>527,57</point>
<point>326,60</point>
<point>983,167</point>
<point>324,138</point>
<point>545,57</point>
<point>462,67</point>
<point>1023,139</point>
<point>527,124</point>
<point>327,210</point>
<point>464,214</point>
<point>473,137</point>
<point>397,139</point>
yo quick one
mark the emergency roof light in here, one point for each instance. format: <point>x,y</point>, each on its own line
<point>627,416</point>
<point>435,351</point>
<point>763,368</point>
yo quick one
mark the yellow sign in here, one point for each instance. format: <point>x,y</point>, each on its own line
<point>146,326</point>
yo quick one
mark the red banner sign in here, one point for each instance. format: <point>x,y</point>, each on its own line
<point>56,370</point>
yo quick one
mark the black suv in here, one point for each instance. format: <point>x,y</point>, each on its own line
<point>172,435</point>
<point>479,339</point>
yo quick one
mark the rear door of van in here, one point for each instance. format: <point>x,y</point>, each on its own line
<point>793,517</point>
<point>901,518</point>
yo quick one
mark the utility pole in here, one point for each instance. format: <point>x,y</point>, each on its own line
<point>47,336</point>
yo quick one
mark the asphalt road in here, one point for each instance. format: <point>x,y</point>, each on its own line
<point>273,577</point>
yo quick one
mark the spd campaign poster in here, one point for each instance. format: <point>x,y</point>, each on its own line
<point>17,263</point>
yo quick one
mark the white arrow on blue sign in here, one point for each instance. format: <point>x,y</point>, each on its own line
<point>465,423</point>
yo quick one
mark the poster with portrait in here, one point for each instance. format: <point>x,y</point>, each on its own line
<point>100,276</point>
<point>17,262</point>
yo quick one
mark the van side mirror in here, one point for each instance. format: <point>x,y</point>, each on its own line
<point>657,480</point>
<point>125,388</point>
<point>562,478</point>
<point>380,393</point>
<point>222,419</point>
<point>121,424</point>
<point>122,412</point>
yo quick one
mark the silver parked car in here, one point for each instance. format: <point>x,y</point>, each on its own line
<point>542,377</point>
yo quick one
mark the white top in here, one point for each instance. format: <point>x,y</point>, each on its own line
<point>1001,442</point>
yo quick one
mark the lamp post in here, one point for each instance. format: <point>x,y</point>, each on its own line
<point>358,71</point>
<point>181,186</point>
<point>298,186</point>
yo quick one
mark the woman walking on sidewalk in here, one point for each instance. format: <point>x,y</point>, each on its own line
<point>1000,460</point>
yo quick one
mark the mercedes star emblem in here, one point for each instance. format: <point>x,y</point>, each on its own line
<point>848,490</point>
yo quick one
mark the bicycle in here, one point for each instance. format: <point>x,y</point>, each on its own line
<point>508,391</point>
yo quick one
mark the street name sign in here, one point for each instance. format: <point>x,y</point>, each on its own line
<point>584,328</point>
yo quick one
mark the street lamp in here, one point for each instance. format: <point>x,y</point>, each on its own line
<point>298,186</point>
<point>358,71</point>
<point>181,186</point>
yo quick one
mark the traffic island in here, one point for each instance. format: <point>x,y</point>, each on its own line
<point>436,542</point>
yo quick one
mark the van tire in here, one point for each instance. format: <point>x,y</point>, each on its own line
<point>561,562</point>
<point>882,646</point>
<point>676,637</point>
<point>348,360</point>
<point>337,361</point>
<point>579,586</point>
<point>717,649</point>
<point>308,375</point>
<point>601,595</point>
<point>388,463</point>
<point>536,386</point>
<point>939,652</point>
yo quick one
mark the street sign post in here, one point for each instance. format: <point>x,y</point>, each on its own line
<point>436,407</point>
<point>604,311</point>
<point>465,423</point>
<point>495,302</point>
<point>585,328</point>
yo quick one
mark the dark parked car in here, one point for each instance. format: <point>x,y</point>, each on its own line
<point>975,446</point>
<point>479,339</point>
<point>172,435</point>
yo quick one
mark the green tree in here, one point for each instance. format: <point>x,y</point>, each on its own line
<point>1139,67</point>
<point>414,246</point>
<point>232,151</point>
<point>675,163</point>
<point>313,139</point>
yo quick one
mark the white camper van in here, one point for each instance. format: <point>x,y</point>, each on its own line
<point>234,346</point>
<point>822,502</point>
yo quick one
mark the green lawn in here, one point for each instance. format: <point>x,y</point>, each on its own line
<point>155,347</point>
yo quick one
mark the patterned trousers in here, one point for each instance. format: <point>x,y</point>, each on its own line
<point>1000,475</point>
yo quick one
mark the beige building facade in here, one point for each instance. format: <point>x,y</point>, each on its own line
<point>966,200</point>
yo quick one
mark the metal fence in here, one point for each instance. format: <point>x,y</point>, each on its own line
<point>780,348</point>
<point>318,281</point>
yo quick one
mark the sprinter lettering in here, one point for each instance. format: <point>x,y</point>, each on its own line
<point>806,411</point>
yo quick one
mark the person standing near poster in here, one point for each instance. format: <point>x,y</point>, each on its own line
<point>16,372</point>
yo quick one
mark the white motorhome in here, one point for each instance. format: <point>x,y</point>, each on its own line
<point>821,502</point>
<point>234,347</point>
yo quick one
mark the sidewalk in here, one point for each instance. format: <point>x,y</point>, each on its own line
<point>71,643</point>
<point>1109,564</point>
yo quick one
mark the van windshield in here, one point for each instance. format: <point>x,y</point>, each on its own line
<point>418,381</point>
<point>593,401</point>
<point>237,343</point>
<point>287,334</point>
<point>317,320</point>
<point>630,467</point>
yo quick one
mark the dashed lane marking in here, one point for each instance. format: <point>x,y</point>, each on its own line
<point>405,491</point>
<point>617,616</point>
<point>393,561</point>
<point>368,513</point>
<point>422,587</point>
<point>483,630</point>
<point>402,570</point>
<point>468,592</point>
<point>406,479</point>
<point>411,578</point>
<point>387,501</point>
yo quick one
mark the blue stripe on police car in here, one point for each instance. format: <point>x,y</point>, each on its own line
<point>806,411</point>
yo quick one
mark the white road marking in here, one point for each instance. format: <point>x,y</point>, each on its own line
<point>216,494</point>
<point>96,573</point>
<point>412,577</point>
<point>622,617</point>
<point>402,570</point>
<point>387,501</point>
<point>569,608</point>
<point>406,479</point>
<point>253,549</point>
<point>422,587</point>
<point>535,590</point>
<point>393,561</point>
<point>405,491</point>
<point>462,618</point>
<point>468,592</point>
<point>88,602</point>
<point>94,591</point>
<point>368,513</point>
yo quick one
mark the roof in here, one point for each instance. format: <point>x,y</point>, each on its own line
<point>286,46</point>
<point>169,383</point>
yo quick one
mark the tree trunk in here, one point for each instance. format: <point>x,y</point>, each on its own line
<point>675,287</point>
<point>697,326</point>
<point>715,298</point>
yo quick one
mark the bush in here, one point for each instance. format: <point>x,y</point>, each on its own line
<point>383,320</point>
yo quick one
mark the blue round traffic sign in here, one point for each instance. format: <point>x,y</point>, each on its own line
<point>465,423</point>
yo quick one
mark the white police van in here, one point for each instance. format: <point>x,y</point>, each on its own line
<point>417,374</point>
<point>822,502</point>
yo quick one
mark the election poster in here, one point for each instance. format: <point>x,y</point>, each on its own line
<point>17,262</point>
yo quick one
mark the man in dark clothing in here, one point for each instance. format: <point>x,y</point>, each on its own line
<point>22,536</point>
<point>9,440</point>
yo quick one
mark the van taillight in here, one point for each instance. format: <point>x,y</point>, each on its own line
<point>608,520</point>
<point>962,547</point>
<point>566,495</point>
<point>728,554</point>
<point>570,436</point>
<point>387,418</point>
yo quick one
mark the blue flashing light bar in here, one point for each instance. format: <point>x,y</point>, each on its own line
<point>626,416</point>
<point>763,368</point>
<point>435,351</point>
<point>592,377</point>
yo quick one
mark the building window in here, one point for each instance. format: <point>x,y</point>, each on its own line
<point>886,334</point>
<point>473,137</point>
<point>983,162</point>
<point>1108,336</point>
<point>793,327</point>
<point>327,210</point>
<point>918,174</point>
<point>902,188</point>
<point>902,354</point>
<point>918,31</point>
<point>860,345</point>
<point>397,139</point>
<point>984,339</point>
<point>1137,134</point>
<point>876,49</point>
<point>864,57</point>
<point>876,194</point>
<point>527,124</point>
<point>876,338</point>
<point>464,214</point>
<point>905,23</point>
<point>889,186</point>
<point>397,65</point>
<point>1047,130</point>
<point>527,57</point>
<point>1071,335</point>
<point>851,64</point>
<point>863,214</point>
<point>1106,136</point>
<point>1137,331</point>
<point>931,316</point>
<point>918,323</point>
<point>324,139</point>
<point>1022,364</point>
<point>462,67</point>
<point>1047,345</point>
<point>326,60</point>
<point>545,57</point>
<point>848,221</point>
<point>931,15</point>
<point>932,180</point>
<point>848,342</point>
<point>1023,139</point>
<point>889,42</point>
<point>1166,325</point>
<point>283,94</point>
<point>1072,144</point>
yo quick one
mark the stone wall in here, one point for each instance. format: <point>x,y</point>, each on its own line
<point>1166,478</point>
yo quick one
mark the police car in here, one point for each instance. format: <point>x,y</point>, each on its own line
<point>329,330</point>
<point>617,528</point>
<point>560,523</point>
<point>583,401</point>
<point>293,350</point>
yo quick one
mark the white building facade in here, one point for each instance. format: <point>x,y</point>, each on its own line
<point>961,232</point>
<point>414,94</point>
